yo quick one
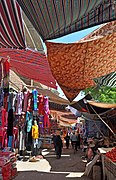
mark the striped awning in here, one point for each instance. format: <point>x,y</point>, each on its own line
<point>56,18</point>
<point>12,32</point>
<point>107,80</point>
<point>30,64</point>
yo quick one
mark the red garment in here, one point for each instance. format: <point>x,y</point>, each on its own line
<point>41,105</point>
<point>46,113</point>
<point>30,103</point>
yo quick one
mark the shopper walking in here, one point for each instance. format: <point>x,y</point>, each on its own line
<point>74,139</point>
<point>58,146</point>
<point>67,138</point>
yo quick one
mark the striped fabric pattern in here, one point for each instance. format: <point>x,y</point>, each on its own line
<point>107,80</point>
<point>12,34</point>
<point>30,64</point>
<point>56,18</point>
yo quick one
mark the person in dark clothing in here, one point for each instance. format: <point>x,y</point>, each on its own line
<point>67,138</point>
<point>58,146</point>
<point>78,141</point>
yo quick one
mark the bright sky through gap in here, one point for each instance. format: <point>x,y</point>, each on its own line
<point>71,38</point>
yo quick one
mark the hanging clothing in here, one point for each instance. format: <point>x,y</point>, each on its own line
<point>46,113</point>
<point>10,123</point>
<point>10,100</point>
<point>29,119</point>
<point>30,103</point>
<point>35,132</point>
<point>19,103</point>
<point>26,96</point>
<point>41,105</point>
<point>41,124</point>
<point>35,93</point>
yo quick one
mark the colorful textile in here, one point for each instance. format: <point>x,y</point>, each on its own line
<point>56,18</point>
<point>30,103</point>
<point>29,119</point>
<point>107,80</point>
<point>46,112</point>
<point>19,103</point>
<point>25,103</point>
<point>41,124</point>
<point>40,105</point>
<point>30,64</point>
<point>35,93</point>
<point>35,132</point>
<point>11,25</point>
<point>75,65</point>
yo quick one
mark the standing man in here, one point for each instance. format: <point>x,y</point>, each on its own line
<point>58,146</point>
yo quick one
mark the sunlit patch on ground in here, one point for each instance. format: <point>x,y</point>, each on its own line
<point>78,174</point>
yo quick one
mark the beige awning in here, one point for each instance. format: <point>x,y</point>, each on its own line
<point>102,105</point>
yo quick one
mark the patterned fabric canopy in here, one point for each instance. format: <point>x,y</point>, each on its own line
<point>12,32</point>
<point>75,65</point>
<point>56,18</point>
<point>107,80</point>
<point>30,64</point>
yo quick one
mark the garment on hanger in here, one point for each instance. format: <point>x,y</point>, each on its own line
<point>19,103</point>
<point>30,103</point>
<point>25,103</point>
<point>29,119</point>
<point>41,105</point>
<point>46,112</point>
<point>10,100</point>
<point>41,124</point>
<point>35,93</point>
<point>35,131</point>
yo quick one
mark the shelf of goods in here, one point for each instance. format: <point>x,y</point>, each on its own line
<point>8,168</point>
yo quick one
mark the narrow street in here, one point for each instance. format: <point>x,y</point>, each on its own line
<point>69,167</point>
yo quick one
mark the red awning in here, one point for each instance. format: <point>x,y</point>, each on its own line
<point>30,64</point>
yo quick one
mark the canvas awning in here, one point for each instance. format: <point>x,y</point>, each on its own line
<point>74,66</point>
<point>12,31</point>
<point>30,64</point>
<point>87,105</point>
<point>64,118</point>
<point>101,105</point>
<point>53,19</point>
<point>107,80</point>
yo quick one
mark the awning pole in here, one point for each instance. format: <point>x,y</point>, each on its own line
<point>103,120</point>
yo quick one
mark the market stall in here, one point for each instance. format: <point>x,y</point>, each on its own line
<point>108,157</point>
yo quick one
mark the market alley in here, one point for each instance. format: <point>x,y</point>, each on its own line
<point>70,166</point>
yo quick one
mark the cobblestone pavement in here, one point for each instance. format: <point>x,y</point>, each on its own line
<point>69,167</point>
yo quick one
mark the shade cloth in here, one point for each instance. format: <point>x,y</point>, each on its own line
<point>12,32</point>
<point>86,105</point>
<point>64,117</point>
<point>102,105</point>
<point>30,64</point>
<point>56,18</point>
<point>107,80</point>
<point>75,65</point>
<point>103,30</point>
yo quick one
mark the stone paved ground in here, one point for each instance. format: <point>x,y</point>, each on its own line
<point>69,167</point>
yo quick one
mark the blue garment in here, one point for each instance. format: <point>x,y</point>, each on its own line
<point>35,93</point>
<point>29,119</point>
